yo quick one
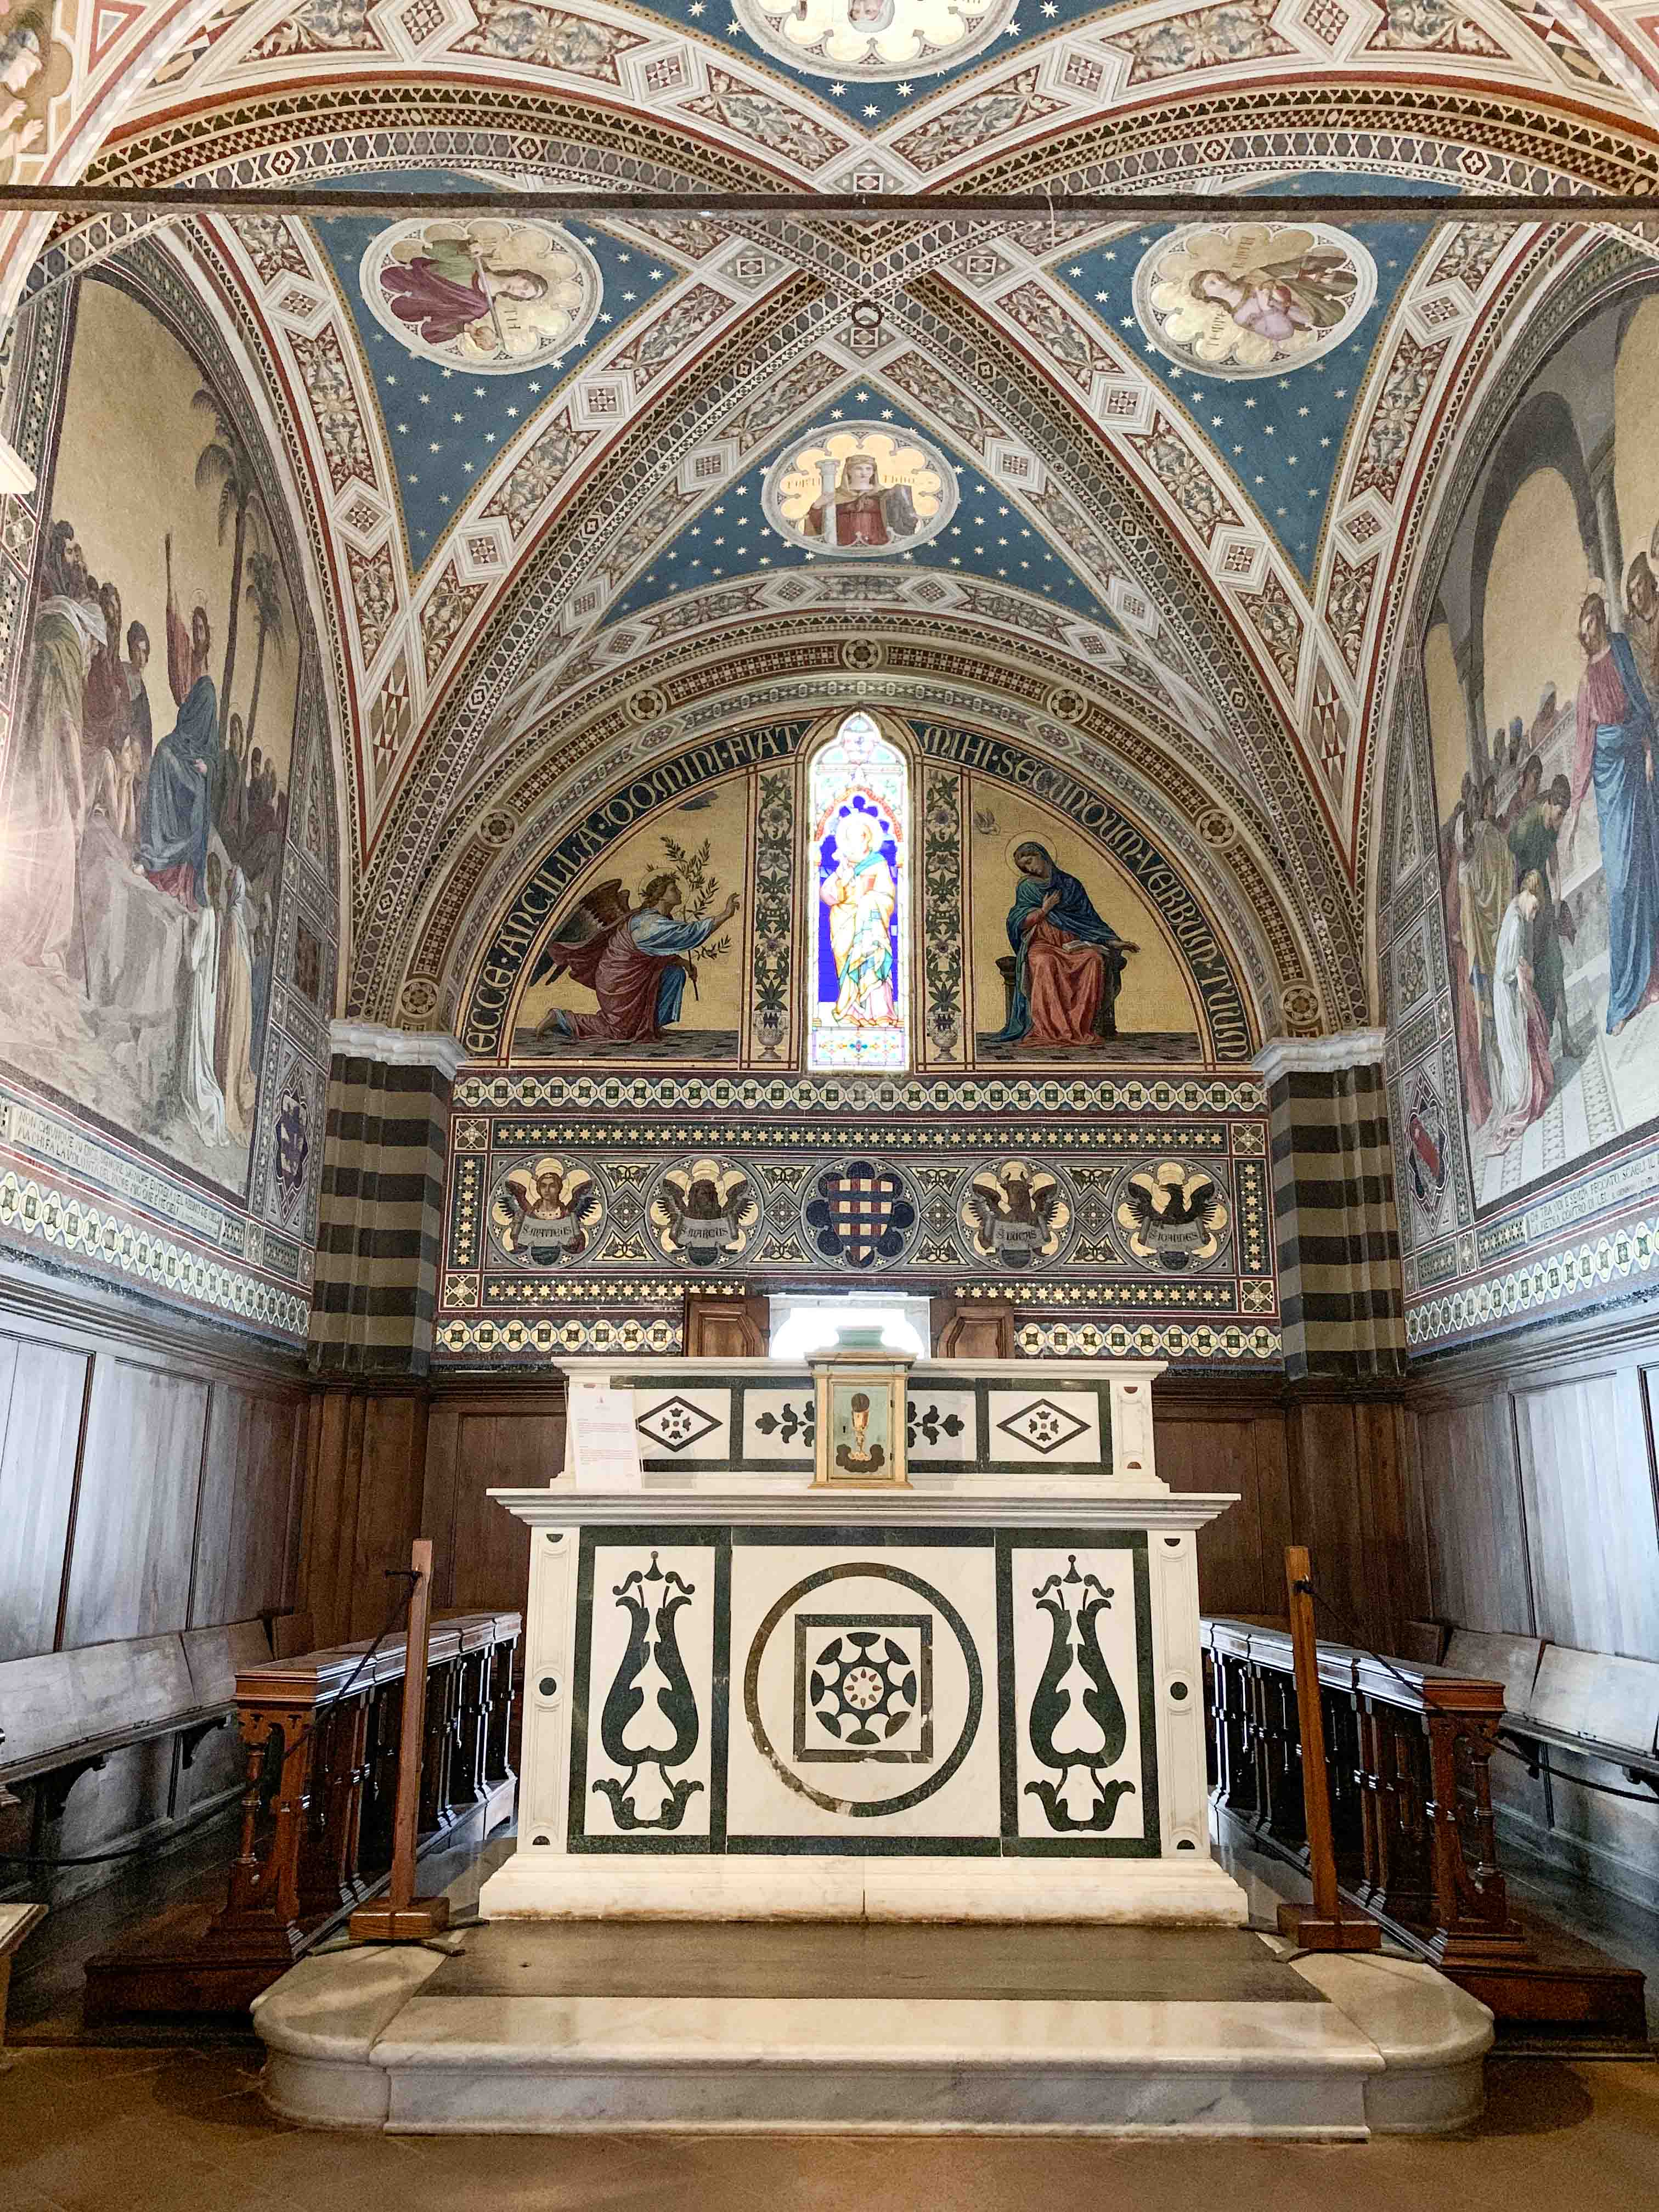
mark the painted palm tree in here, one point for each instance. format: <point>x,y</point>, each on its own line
<point>266,606</point>
<point>224,461</point>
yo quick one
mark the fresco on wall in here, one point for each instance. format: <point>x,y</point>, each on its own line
<point>34,68</point>
<point>645,962</point>
<point>1253,299</point>
<point>488,296</point>
<point>1069,963</point>
<point>860,490</point>
<point>146,797</point>
<point>1542,678</point>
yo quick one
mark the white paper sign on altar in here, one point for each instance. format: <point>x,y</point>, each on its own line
<point>602,1451</point>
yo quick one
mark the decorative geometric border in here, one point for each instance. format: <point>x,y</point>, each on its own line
<point>33,1210</point>
<point>492,1090</point>
<point>1090,1340</point>
<point>1576,1272</point>
<point>530,1342</point>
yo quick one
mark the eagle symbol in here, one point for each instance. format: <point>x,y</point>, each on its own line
<point>1171,1215</point>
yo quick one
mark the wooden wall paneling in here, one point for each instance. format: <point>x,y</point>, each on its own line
<point>1235,1565</point>
<point>1587,1482</point>
<point>42,1399</point>
<point>242,1541</point>
<point>496,1447</point>
<point>1325,1513</point>
<point>130,1563</point>
<point>1474,1538</point>
<point>1393,1582</point>
<point>1273,1460</point>
<point>333,1479</point>
<point>389,1502</point>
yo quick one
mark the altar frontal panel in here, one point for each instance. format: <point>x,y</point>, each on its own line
<point>864,1691</point>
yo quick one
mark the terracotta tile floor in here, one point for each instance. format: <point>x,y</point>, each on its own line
<point>100,2131</point>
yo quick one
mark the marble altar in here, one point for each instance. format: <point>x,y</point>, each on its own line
<point>976,1698</point>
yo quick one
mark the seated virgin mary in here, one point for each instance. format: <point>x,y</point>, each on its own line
<point>1060,973</point>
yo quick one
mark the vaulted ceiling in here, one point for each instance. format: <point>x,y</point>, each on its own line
<point>1164,545</point>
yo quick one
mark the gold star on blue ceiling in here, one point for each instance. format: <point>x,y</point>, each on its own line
<point>988,537</point>
<point>1281,436</point>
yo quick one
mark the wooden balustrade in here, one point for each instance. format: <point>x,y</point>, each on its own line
<point>1407,1754</point>
<point>320,1734</point>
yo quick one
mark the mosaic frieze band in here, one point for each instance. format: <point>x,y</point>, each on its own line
<point>1148,1203</point>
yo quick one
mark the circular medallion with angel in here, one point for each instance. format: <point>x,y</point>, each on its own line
<point>860,488</point>
<point>704,1212</point>
<point>1253,299</point>
<point>545,1212</point>
<point>873,38</point>
<point>488,293</point>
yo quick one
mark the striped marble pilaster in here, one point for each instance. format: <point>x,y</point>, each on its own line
<point>1334,1223</point>
<point>379,1231</point>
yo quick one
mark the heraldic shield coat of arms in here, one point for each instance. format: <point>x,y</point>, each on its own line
<point>860,1213</point>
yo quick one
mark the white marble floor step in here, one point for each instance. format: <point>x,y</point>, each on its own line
<point>523,2035</point>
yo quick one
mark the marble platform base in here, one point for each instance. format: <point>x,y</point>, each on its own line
<point>1167,1892</point>
<point>523,2041</point>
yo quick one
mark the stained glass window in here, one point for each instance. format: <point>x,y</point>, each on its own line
<point>858,804</point>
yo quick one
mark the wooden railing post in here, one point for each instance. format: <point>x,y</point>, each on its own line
<point>403,1918</point>
<point>1325,1926</point>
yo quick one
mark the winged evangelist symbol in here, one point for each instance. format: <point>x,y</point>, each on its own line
<point>1014,1214</point>
<point>1172,1215</point>
<point>703,1213</point>
<point>547,1212</point>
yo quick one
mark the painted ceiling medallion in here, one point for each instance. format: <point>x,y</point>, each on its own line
<point>860,490</point>
<point>488,295</point>
<point>874,38</point>
<point>1253,299</point>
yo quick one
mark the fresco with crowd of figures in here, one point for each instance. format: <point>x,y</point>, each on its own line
<point>145,800</point>
<point>1541,666</point>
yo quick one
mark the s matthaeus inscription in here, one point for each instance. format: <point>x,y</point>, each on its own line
<point>649,1719</point>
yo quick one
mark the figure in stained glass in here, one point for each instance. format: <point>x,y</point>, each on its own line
<point>859,807</point>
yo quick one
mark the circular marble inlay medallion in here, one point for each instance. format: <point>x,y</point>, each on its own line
<point>488,293</point>
<point>871,38</point>
<point>863,1668</point>
<point>860,490</point>
<point>1252,299</point>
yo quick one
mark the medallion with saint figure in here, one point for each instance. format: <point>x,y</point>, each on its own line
<point>486,293</point>
<point>860,489</point>
<point>1238,299</point>
<point>873,38</point>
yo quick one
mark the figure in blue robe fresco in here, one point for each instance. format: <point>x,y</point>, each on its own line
<point>1060,973</point>
<point>1614,751</point>
<point>176,815</point>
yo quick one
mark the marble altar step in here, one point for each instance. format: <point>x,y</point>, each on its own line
<point>618,2026</point>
